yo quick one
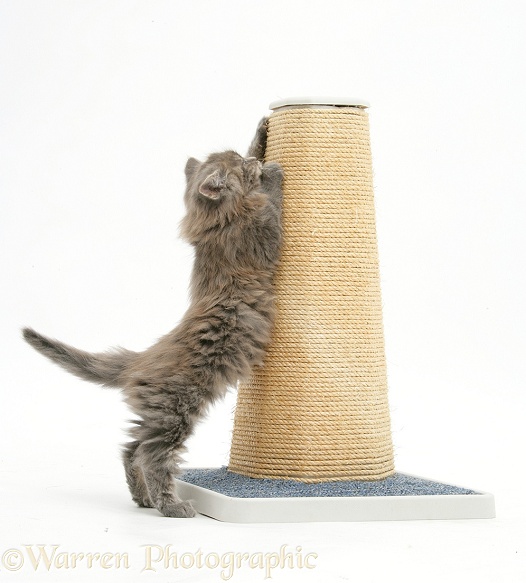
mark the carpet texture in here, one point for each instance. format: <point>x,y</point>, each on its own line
<point>235,485</point>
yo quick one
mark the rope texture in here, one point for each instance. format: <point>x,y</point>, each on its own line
<point>317,410</point>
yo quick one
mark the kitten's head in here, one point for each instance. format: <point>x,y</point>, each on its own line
<point>222,177</point>
<point>217,189</point>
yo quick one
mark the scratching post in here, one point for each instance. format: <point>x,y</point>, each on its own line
<point>317,410</point>
<point>312,437</point>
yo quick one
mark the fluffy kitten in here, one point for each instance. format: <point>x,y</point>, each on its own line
<point>233,220</point>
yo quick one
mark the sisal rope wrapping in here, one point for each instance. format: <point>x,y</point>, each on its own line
<point>317,410</point>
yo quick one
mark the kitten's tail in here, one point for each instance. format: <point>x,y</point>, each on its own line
<point>107,368</point>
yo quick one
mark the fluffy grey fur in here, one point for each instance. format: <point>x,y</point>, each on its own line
<point>233,221</point>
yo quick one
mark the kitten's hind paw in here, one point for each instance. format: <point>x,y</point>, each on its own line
<point>177,510</point>
<point>143,502</point>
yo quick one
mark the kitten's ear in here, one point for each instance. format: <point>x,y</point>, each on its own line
<point>191,168</point>
<point>212,185</point>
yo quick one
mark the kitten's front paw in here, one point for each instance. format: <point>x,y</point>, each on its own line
<point>259,143</point>
<point>177,510</point>
<point>272,177</point>
<point>273,171</point>
<point>261,132</point>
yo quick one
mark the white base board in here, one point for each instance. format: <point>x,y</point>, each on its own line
<point>337,508</point>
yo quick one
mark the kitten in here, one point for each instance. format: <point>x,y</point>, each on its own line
<point>233,214</point>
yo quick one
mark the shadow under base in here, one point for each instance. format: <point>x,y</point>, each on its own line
<point>232,497</point>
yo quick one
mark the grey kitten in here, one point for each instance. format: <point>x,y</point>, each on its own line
<point>233,214</point>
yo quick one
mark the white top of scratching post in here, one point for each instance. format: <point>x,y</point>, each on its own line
<point>317,101</point>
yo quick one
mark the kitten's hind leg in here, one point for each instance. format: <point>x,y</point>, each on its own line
<point>135,476</point>
<point>161,487</point>
<point>159,463</point>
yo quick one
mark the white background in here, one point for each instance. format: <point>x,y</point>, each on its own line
<point>102,102</point>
